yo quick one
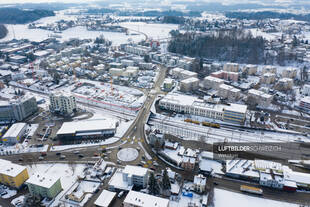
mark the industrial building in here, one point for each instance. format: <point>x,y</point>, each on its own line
<point>62,103</point>
<point>192,105</point>
<point>46,185</point>
<point>12,174</point>
<point>94,129</point>
<point>15,132</point>
<point>17,110</point>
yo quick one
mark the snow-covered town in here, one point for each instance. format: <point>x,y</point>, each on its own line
<point>191,104</point>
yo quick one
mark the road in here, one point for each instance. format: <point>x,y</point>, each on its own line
<point>135,137</point>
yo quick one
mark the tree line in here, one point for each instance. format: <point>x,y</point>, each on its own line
<point>229,45</point>
<point>267,15</point>
<point>19,16</point>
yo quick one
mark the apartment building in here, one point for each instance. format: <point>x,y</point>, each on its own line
<point>260,97</point>
<point>189,84</point>
<point>62,103</point>
<point>135,175</point>
<point>229,92</point>
<point>211,82</point>
<point>44,185</point>
<point>11,174</point>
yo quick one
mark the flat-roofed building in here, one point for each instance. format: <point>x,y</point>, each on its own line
<point>231,67</point>
<point>211,82</point>
<point>105,199</point>
<point>14,134</point>
<point>289,73</point>
<point>268,78</point>
<point>137,199</point>
<point>94,128</point>
<point>192,105</point>
<point>229,92</point>
<point>46,185</point>
<point>11,174</point>
<point>260,97</point>
<point>189,84</point>
<point>17,110</point>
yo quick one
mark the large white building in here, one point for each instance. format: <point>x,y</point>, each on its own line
<point>94,128</point>
<point>135,175</point>
<point>15,132</point>
<point>234,113</point>
<point>62,103</point>
<point>137,199</point>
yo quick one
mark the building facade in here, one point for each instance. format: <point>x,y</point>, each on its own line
<point>62,103</point>
<point>12,174</point>
<point>45,186</point>
<point>194,106</point>
<point>17,110</point>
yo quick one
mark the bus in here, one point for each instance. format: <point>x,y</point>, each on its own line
<point>250,189</point>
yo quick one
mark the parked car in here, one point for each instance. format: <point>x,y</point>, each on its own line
<point>62,157</point>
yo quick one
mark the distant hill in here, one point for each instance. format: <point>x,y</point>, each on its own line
<point>266,15</point>
<point>3,31</point>
<point>19,16</point>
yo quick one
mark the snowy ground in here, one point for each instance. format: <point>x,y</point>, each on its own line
<point>223,197</point>
<point>18,201</point>
<point>6,192</point>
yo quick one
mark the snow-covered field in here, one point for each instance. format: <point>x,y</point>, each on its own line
<point>222,198</point>
<point>155,31</point>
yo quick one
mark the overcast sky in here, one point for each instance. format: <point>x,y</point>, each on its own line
<point>219,1</point>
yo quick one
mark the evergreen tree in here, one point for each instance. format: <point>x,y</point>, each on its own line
<point>166,181</point>
<point>153,185</point>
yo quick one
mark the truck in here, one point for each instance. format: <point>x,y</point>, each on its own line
<point>250,189</point>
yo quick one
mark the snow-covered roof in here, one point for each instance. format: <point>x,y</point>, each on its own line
<point>10,169</point>
<point>14,130</point>
<point>45,181</point>
<point>135,170</point>
<point>87,126</point>
<point>105,198</point>
<point>145,200</point>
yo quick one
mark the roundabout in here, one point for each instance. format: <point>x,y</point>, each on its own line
<point>127,154</point>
